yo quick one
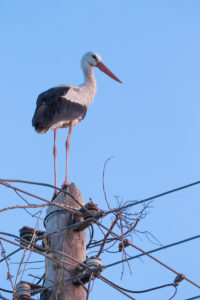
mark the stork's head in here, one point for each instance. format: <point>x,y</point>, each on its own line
<point>93,59</point>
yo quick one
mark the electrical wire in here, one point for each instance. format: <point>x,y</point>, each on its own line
<point>7,256</point>
<point>6,291</point>
<point>115,287</point>
<point>197,297</point>
<point>133,203</point>
<point>154,250</point>
<point>142,291</point>
<point>174,294</point>
<point>149,255</point>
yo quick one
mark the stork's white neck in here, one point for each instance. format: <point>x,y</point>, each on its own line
<point>89,84</point>
<point>89,75</point>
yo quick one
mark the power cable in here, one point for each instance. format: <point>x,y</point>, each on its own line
<point>133,203</point>
<point>197,297</point>
<point>3,181</point>
<point>154,250</point>
<point>149,255</point>
<point>142,291</point>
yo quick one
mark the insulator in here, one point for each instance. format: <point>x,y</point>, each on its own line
<point>23,289</point>
<point>93,262</point>
<point>28,232</point>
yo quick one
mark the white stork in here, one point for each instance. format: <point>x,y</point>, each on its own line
<point>66,105</point>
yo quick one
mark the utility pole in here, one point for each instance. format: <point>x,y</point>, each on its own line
<point>72,243</point>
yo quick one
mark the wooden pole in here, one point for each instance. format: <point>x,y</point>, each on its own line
<point>72,243</point>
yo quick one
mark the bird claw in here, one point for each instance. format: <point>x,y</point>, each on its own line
<point>54,195</point>
<point>65,185</point>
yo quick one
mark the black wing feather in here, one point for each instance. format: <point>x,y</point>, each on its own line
<point>52,108</point>
<point>51,95</point>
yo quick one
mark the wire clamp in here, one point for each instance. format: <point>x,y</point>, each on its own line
<point>126,243</point>
<point>178,279</point>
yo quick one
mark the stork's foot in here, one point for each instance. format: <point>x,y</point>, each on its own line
<point>65,184</point>
<point>54,195</point>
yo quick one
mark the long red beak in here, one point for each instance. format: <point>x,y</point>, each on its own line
<point>104,69</point>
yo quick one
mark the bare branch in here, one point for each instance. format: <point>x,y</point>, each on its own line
<point>9,276</point>
<point>103,180</point>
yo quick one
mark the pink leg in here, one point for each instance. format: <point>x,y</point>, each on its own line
<point>67,153</point>
<point>55,154</point>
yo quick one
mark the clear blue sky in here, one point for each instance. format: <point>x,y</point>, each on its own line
<point>150,124</point>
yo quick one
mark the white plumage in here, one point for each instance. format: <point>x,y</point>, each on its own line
<point>66,105</point>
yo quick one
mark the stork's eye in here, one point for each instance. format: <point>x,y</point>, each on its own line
<point>94,56</point>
